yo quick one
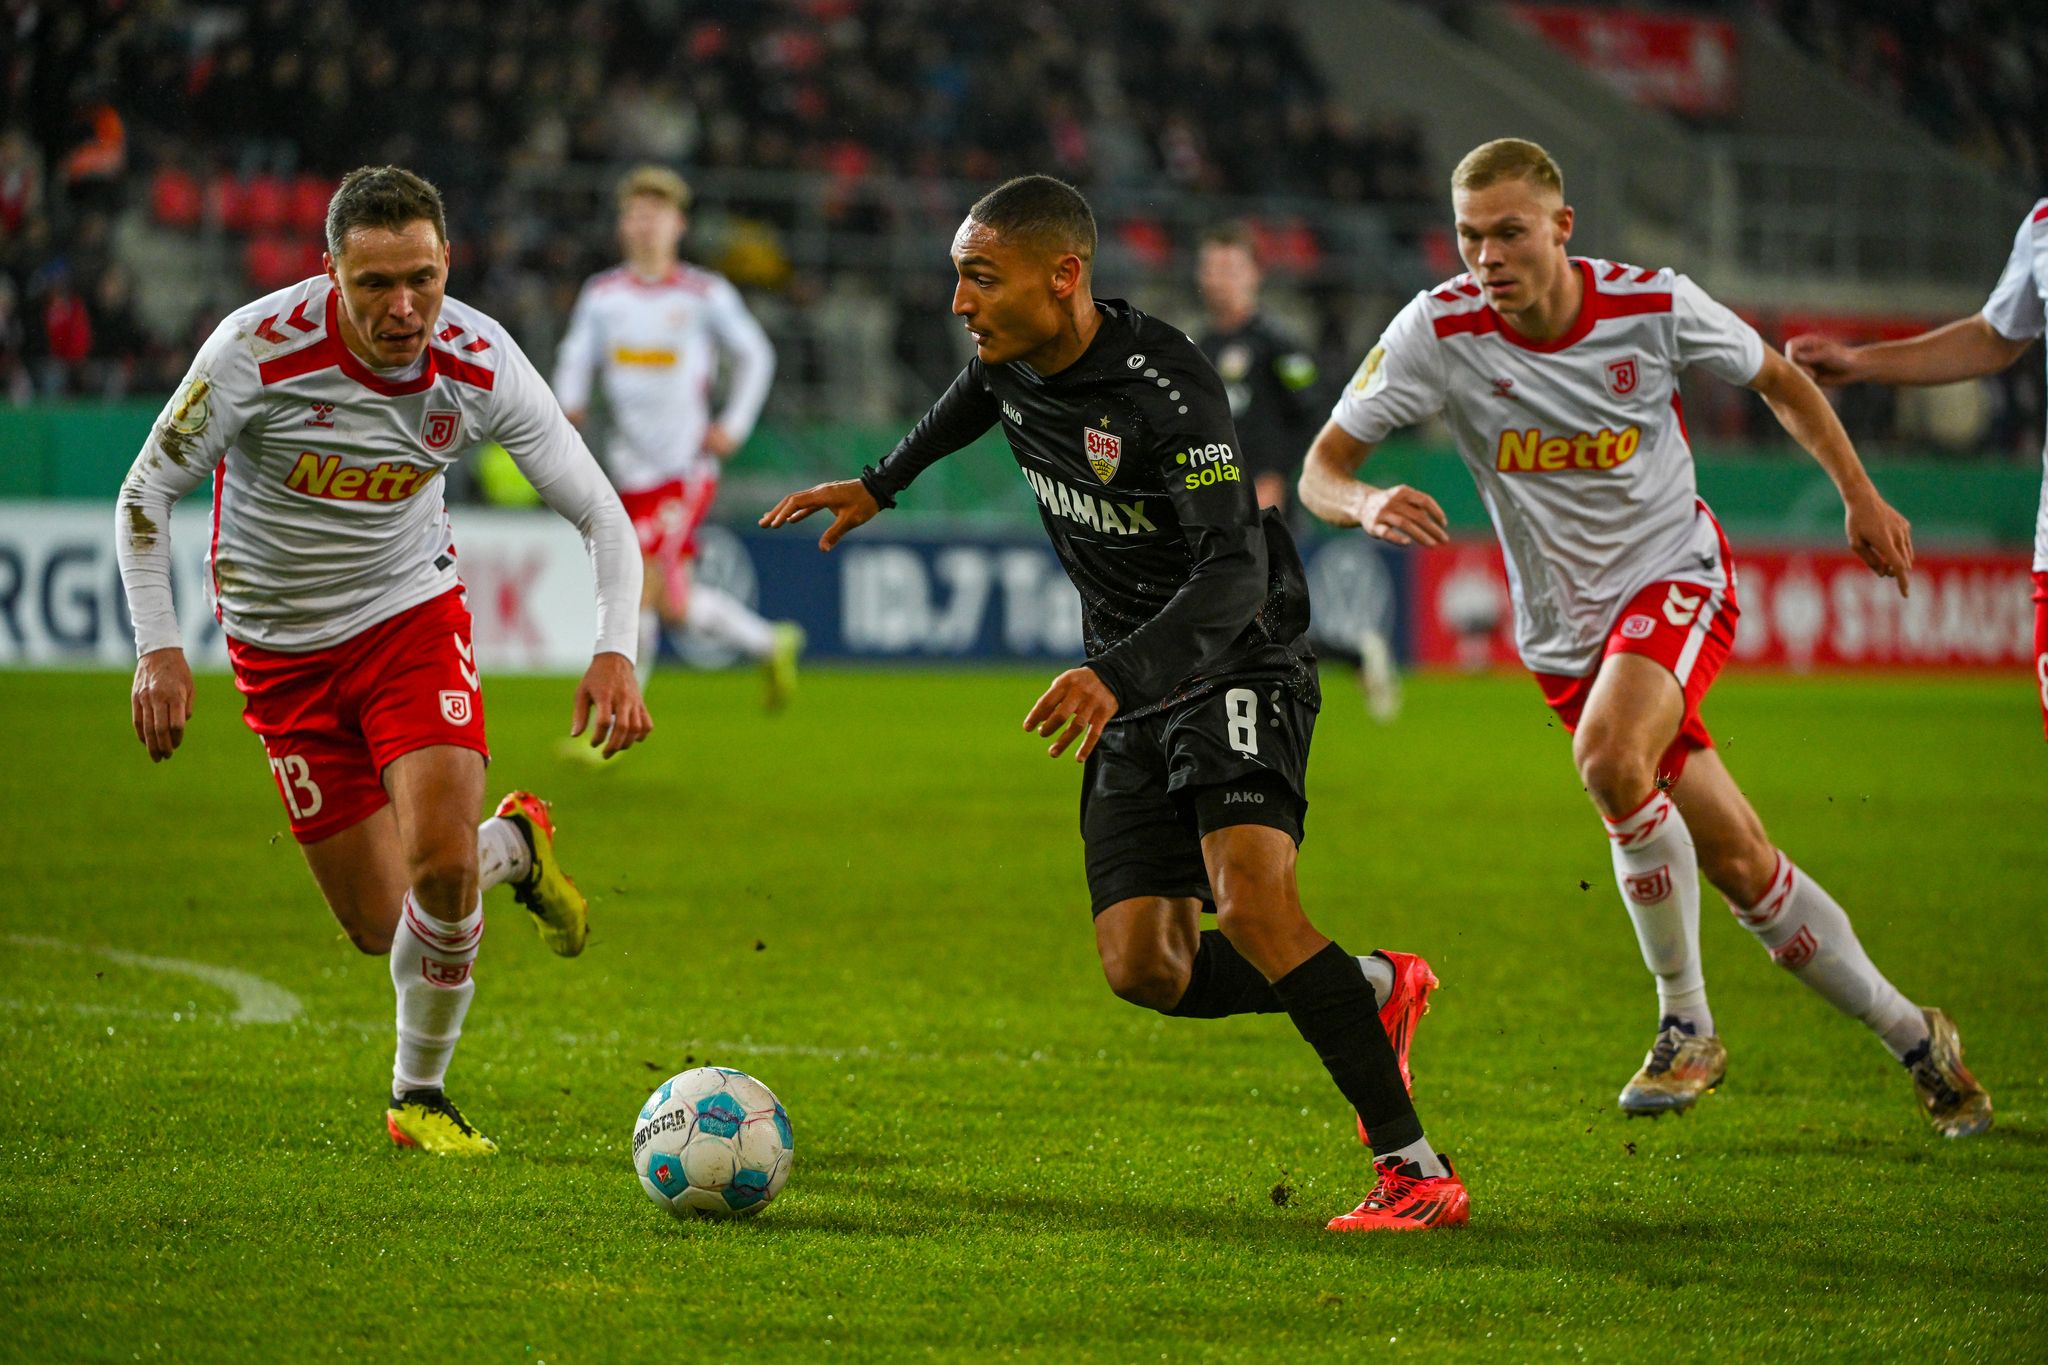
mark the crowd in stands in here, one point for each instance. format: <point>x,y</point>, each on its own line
<point>239,119</point>
<point>230,125</point>
<point>1970,71</point>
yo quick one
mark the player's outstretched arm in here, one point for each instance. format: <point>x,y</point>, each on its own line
<point>1331,489</point>
<point>1964,349</point>
<point>161,701</point>
<point>1877,533</point>
<point>848,500</point>
<point>608,703</point>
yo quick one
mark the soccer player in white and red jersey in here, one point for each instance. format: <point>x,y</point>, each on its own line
<point>655,327</point>
<point>1558,378</point>
<point>325,414</point>
<point>1985,343</point>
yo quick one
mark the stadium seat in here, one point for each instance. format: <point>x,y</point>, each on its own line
<point>265,203</point>
<point>175,198</point>
<point>308,211</point>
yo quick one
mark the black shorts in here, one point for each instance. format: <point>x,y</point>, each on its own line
<point>1155,785</point>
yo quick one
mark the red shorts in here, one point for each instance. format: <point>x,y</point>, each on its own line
<point>1686,627</point>
<point>666,520</point>
<point>2041,642</point>
<point>333,718</point>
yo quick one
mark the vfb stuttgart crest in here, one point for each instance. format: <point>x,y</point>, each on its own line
<point>1621,377</point>
<point>1105,453</point>
<point>438,429</point>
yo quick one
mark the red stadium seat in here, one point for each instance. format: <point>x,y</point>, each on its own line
<point>266,203</point>
<point>308,213</point>
<point>175,199</point>
<point>224,202</point>
<point>1147,241</point>
<point>271,262</point>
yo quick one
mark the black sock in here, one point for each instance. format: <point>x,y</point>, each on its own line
<point>1331,1003</point>
<point>1222,983</point>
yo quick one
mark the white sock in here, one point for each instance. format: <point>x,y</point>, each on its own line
<point>650,643</point>
<point>430,971</point>
<point>1422,1154</point>
<point>727,620</point>
<point>1811,937</point>
<point>1659,876</point>
<point>501,853</point>
<point>1379,974</point>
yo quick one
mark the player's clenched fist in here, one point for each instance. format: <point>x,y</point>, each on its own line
<point>161,701</point>
<point>848,500</point>
<point>1078,700</point>
<point>608,702</point>
<point>1404,516</point>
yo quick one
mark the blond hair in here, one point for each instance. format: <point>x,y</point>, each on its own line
<point>1508,158</point>
<point>659,181</point>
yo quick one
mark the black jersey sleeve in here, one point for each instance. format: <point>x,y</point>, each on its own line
<point>964,411</point>
<point>1191,435</point>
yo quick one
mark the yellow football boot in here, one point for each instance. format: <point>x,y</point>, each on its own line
<point>429,1120</point>
<point>779,668</point>
<point>558,908</point>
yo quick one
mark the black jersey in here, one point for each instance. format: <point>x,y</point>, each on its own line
<point>1269,380</point>
<point>1142,487</point>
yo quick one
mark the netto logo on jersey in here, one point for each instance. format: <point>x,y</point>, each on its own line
<point>318,476</point>
<point>1531,452</point>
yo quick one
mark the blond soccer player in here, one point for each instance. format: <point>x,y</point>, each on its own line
<point>1558,377</point>
<point>655,329</point>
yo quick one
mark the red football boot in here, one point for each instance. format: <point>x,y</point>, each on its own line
<point>1405,1200</point>
<point>1406,1004</point>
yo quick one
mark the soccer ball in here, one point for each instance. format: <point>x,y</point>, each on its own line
<point>712,1143</point>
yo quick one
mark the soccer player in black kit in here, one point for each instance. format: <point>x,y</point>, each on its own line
<point>1194,711</point>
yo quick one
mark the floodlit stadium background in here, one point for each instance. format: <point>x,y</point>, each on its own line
<point>161,164</point>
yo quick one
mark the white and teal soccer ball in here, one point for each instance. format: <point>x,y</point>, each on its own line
<point>712,1143</point>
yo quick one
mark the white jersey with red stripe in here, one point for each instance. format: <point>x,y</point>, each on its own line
<point>1578,444</point>
<point>2018,311</point>
<point>657,344</point>
<point>327,475</point>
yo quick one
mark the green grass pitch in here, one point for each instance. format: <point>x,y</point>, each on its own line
<point>875,904</point>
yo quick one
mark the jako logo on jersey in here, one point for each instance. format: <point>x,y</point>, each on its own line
<point>1016,418</point>
<point>1531,452</point>
<point>1638,627</point>
<point>438,429</point>
<point>1244,798</point>
<point>323,477</point>
<point>1649,887</point>
<point>1214,463</point>
<point>1122,518</point>
<point>1680,607</point>
<point>1621,377</point>
<point>323,416</point>
<point>1105,453</point>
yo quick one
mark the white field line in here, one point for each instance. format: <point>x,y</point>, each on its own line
<point>256,1001</point>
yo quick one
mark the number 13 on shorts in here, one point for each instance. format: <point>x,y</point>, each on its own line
<point>295,780</point>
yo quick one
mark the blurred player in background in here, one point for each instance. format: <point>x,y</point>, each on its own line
<point>2012,318</point>
<point>655,327</point>
<point>1271,382</point>
<point>1558,377</point>
<point>1199,698</point>
<point>325,415</point>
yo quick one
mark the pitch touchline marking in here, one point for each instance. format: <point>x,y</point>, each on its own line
<point>256,1001</point>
